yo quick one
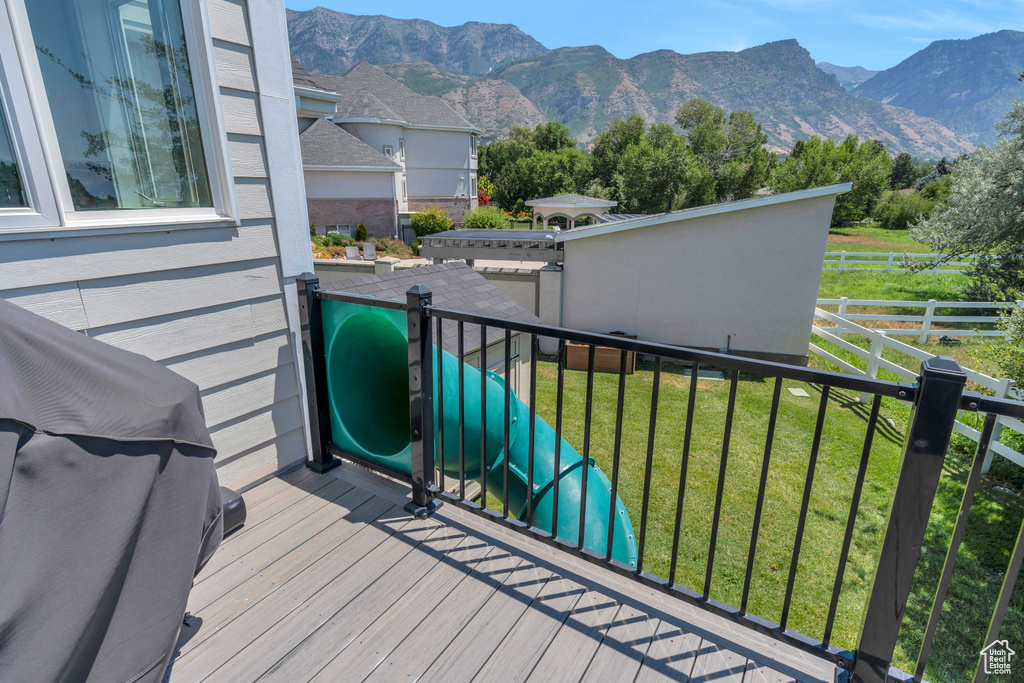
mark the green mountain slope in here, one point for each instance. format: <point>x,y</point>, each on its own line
<point>967,85</point>
<point>333,42</point>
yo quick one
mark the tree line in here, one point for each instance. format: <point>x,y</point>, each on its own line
<point>709,156</point>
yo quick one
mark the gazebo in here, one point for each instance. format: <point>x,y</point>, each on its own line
<point>568,206</point>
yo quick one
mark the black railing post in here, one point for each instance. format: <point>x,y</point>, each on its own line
<point>315,369</point>
<point>421,402</point>
<point>931,425</point>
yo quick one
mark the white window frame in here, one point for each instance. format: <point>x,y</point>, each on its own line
<point>474,190</point>
<point>23,67</point>
<point>472,146</point>
<point>401,149</point>
<point>405,190</point>
<point>389,151</point>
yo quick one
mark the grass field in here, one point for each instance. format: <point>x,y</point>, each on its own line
<point>982,559</point>
<point>869,238</point>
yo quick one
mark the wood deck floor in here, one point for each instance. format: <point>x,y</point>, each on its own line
<point>331,580</point>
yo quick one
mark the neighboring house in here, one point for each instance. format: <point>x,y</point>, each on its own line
<point>151,197</point>
<point>347,182</point>
<point>458,287</point>
<point>434,147</point>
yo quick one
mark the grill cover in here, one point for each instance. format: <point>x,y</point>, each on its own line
<point>109,505</point>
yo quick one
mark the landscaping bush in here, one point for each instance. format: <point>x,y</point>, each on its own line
<point>485,218</point>
<point>431,220</point>
<point>415,246</point>
<point>361,235</point>
<point>312,230</point>
<point>335,239</point>
<point>387,246</point>
<point>899,211</point>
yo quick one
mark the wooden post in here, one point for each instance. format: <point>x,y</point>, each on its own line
<point>927,324</point>
<point>843,301</point>
<point>877,346</point>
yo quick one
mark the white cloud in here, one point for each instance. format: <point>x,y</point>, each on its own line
<point>932,22</point>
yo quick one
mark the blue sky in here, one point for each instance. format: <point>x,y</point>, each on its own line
<point>876,34</point>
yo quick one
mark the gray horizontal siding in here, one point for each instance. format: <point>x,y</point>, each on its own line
<point>206,302</point>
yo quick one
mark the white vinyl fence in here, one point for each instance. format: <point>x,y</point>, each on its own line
<point>927,319</point>
<point>874,361</point>
<point>892,262</point>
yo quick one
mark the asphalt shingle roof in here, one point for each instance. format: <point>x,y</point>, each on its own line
<point>570,200</point>
<point>301,77</point>
<point>365,105</point>
<point>409,106</point>
<point>325,144</point>
<point>454,286</point>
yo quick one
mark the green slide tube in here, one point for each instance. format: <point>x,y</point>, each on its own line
<point>367,356</point>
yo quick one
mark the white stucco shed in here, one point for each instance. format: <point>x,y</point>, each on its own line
<point>741,276</point>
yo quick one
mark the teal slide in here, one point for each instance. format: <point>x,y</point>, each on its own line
<point>367,357</point>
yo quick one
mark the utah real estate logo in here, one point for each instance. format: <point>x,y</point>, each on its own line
<point>997,657</point>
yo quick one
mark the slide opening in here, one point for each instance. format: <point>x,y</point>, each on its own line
<point>370,388</point>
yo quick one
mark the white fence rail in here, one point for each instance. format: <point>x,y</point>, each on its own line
<point>874,361</point>
<point>928,318</point>
<point>892,262</point>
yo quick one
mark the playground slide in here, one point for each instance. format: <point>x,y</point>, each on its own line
<point>369,412</point>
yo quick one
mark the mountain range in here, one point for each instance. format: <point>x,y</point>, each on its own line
<point>498,76</point>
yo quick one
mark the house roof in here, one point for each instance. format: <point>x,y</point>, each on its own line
<point>302,78</point>
<point>327,145</point>
<point>365,105</point>
<point>571,200</point>
<point>697,212</point>
<point>454,286</point>
<point>407,106</point>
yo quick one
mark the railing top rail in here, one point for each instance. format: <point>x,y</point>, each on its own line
<point>391,304</point>
<point>918,304</point>
<point>1008,407</point>
<point>900,390</point>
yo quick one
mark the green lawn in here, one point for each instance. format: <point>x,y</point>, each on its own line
<point>867,238</point>
<point>977,578</point>
<point>892,286</point>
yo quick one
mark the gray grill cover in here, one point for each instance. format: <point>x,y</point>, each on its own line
<point>109,504</point>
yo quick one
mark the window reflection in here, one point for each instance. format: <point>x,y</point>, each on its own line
<point>120,90</point>
<point>12,192</point>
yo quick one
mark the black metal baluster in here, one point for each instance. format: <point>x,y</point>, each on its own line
<point>769,439</point>
<point>534,350</point>
<point>802,519</point>
<point>584,473</point>
<point>683,466</point>
<point>851,521</point>
<point>730,411</point>
<point>1003,603</point>
<point>440,398</point>
<point>954,544</point>
<point>558,437</point>
<point>508,391</point>
<point>615,454</point>
<point>462,414</point>
<point>649,464</point>
<point>483,417</point>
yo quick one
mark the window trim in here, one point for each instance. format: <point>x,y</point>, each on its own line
<point>472,146</point>
<point>389,151</point>
<point>199,44</point>
<point>401,149</point>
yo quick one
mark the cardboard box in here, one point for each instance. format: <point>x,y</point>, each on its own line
<point>606,359</point>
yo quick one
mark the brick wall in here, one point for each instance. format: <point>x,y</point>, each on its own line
<point>378,215</point>
<point>455,206</point>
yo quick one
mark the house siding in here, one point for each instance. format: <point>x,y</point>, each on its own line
<point>214,303</point>
<point>455,206</point>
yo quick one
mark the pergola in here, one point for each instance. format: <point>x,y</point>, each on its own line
<point>568,206</point>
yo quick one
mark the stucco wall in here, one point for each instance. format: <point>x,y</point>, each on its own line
<point>349,185</point>
<point>377,215</point>
<point>744,279</point>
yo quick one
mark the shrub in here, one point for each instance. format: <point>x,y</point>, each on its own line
<point>361,233</point>
<point>392,247</point>
<point>431,220</point>
<point>415,246</point>
<point>485,218</point>
<point>335,239</point>
<point>312,230</point>
<point>899,211</point>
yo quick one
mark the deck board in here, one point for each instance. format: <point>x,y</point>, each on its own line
<point>330,579</point>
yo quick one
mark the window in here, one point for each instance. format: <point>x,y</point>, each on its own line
<point>405,190</point>
<point>119,87</point>
<point>389,151</point>
<point>472,146</point>
<point>343,230</point>
<point>12,191</point>
<point>401,149</point>
<point>472,183</point>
